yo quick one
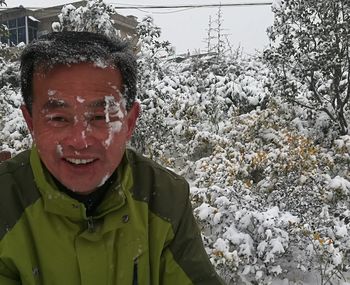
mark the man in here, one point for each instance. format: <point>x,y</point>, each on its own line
<point>79,208</point>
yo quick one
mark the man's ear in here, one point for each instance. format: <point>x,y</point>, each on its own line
<point>131,118</point>
<point>27,117</point>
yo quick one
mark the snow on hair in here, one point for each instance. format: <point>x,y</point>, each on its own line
<point>68,47</point>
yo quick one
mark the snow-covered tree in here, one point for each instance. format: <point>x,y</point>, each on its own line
<point>149,39</point>
<point>220,42</point>
<point>208,40</point>
<point>217,41</point>
<point>14,135</point>
<point>310,54</point>
<point>151,50</point>
<point>94,17</point>
<point>3,28</point>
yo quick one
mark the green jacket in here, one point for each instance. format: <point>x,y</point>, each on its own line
<point>143,232</point>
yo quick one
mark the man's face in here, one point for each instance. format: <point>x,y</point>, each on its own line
<point>79,123</point>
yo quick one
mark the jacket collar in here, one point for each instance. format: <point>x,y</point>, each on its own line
<point>60,203</point>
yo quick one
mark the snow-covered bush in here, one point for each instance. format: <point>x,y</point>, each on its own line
<point>14,135</point>
<point>281,169</point>
<point>262,164</point>
<point>247,241</point>
<point>190,103</point>
<point>9,72</point>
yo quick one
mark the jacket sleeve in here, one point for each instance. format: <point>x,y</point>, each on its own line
<point>185,259</point>
<point>6,276</point>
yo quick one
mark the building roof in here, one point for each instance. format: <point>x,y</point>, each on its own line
<point>129,22</point>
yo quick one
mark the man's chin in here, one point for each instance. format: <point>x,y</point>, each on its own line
<point>80,189</point>
<point>84,191</point>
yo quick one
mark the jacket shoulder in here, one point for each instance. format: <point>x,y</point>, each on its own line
<point>166,193</point>
<point>14,163</point>
<point>138,160</point>
<point>17,191</point>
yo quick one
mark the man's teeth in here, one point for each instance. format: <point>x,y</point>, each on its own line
<point>79,161</point>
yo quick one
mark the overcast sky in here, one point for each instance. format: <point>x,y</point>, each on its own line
<point>186,28</point>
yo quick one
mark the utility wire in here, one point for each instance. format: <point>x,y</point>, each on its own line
<point>169,12</point>
<point>185,7</point>
<point>193,6</point>
<point>171,6</point>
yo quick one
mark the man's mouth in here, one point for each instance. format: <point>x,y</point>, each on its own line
<point>78,161</point>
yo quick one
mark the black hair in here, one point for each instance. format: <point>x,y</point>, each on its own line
<point>69,47</point>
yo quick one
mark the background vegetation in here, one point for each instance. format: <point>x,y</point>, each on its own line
<point>263,139</point>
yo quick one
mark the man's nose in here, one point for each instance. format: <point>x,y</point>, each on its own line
<point>79,136</point>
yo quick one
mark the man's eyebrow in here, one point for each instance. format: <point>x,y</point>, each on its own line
<point>97,103</point>
<point>52,104</point>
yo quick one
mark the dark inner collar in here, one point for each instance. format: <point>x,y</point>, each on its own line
<point>92,200</point>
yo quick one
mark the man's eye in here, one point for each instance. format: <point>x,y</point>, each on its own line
<point>99,118</point>
<point>58,119</point>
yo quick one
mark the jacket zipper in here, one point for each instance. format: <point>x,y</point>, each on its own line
<point>135,277</point>
<point>90,224</point>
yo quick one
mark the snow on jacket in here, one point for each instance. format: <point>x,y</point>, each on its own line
<point>142,233</point>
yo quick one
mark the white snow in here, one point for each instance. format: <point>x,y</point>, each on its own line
<point>104,179</point>
<point>51,92</point>
<point>80,99</point>
<point>340,183</point>
<point>59,149</point>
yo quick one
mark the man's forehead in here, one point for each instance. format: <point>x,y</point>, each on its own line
<point>56,103</point>
<point>77,85</point>
<point>81,78</point>
<point>46,72</point>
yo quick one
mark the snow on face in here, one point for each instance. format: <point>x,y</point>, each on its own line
<point>121,95</point>
<point>51,92</point>
<point>114,127</point>
<point>76,120</point>
<point>114,116</point>
<point>54,101</point>
<point>104,179</point>
<point>59,149</point>
<point>113,109</point>
<point>83,135</point>
<point>80,100</point>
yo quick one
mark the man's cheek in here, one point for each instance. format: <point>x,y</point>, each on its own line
<point>115,132</point>
<point>45,138</point>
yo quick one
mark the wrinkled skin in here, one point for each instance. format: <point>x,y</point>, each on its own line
<point>79,123</point>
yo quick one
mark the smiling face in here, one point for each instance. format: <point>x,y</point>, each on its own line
<point>79,123</point>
